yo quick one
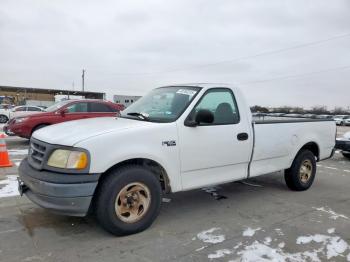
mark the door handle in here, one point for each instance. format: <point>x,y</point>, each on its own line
<point>242,136</point>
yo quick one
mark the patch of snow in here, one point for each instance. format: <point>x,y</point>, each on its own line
<point>333,214</point>
<point>279,232</point>
<point>208,236</point>
<point>11,186</point>
<point>267,240</point>
<point>331,230</point>
<point>201,248</point>
<point>210,189</point>
<point>329,247</point>
<point>16,152</point>
<point>334,245</point>
<point>166,200</point>
<point>260,252</point>
<point>17,163</point>
<point>318,238</point>
<point>249,232</point>
<point>238,245</point>
<point>220,253</point>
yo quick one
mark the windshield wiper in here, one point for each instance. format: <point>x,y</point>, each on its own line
<point>143,116</point>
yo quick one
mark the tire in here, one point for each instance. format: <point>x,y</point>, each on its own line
<point>295,178</point>
<point>346,154</point>
<point>3,119</point>
<point>109,200</point>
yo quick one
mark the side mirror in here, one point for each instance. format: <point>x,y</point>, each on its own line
<point>203,116</point>
<point>64,112</point>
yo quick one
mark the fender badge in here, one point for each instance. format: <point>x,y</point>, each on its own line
<point>169,143</point>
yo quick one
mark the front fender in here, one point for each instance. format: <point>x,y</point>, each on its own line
<point>107,150</point>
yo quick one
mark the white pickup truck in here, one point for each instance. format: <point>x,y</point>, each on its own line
<point>175,138</point>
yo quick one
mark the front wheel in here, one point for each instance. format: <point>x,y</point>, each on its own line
<point>128,200</point>
<point>346,154</point>
<point>3,119</point>
<point>301,174</point>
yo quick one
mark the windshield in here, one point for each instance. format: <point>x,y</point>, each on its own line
<point>57,106</point>
<point>163,104</point>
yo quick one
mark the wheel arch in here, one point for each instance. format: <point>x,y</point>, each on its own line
<point>40,124</point>
<point>311,146</point>
<point>157,169</point>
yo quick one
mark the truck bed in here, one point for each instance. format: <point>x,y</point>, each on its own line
<point>277,141</point>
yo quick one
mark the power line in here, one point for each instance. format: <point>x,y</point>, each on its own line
<point>264,53</point>
<point>297,75</point>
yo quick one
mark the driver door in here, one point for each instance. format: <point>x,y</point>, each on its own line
<point>215,153</point>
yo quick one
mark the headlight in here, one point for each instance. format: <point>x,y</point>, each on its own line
<point>21,119</point>
<point>62,158</point>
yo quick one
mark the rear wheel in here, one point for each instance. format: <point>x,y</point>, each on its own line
<point>346,154</point>
<point>3,119</point>
<point>302,173</point>
<point>128,200</point>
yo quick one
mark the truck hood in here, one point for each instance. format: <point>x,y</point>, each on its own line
<point>71,132</point>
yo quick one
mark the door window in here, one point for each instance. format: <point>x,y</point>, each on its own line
<point>31,108</point>
<point>21,108</point>
<point>221,102</point>
<point>78,108</point>
<point>99,107</point>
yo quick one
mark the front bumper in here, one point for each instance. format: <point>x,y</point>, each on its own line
<point>66,194</point>
<point>8,131</point>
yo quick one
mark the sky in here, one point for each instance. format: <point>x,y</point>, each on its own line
<point>278,52</point>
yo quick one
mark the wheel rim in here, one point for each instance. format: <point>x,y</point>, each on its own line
<point>305,171</point>
<point>3,119</point>
<point>132,202</point>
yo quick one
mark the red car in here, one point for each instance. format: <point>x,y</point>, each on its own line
<point>60,112</point>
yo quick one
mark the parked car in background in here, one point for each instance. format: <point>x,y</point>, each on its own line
<point>343,144</point>
<point>340,119</point>
<point>68,110</point>
<point>324,116</point>
<point>276,114</point>
<point>347,121</point>
<point>308,116</point>
<point>4,113</point>
<point>292,115</point>
<point>24,111</point>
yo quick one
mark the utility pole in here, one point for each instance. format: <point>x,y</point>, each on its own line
<point>83,79</point>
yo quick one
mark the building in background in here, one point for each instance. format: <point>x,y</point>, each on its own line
<point>42,97</point>
<point>125,100</point>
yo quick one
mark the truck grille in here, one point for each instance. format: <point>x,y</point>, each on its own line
<point>37,153</point>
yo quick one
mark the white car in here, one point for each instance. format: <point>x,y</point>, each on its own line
<point>343,144</point>
<point>347,121</point>
<point>176,138</point>
<point>340,119</point>
<point>24,111</point>
<point>4,113</point>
